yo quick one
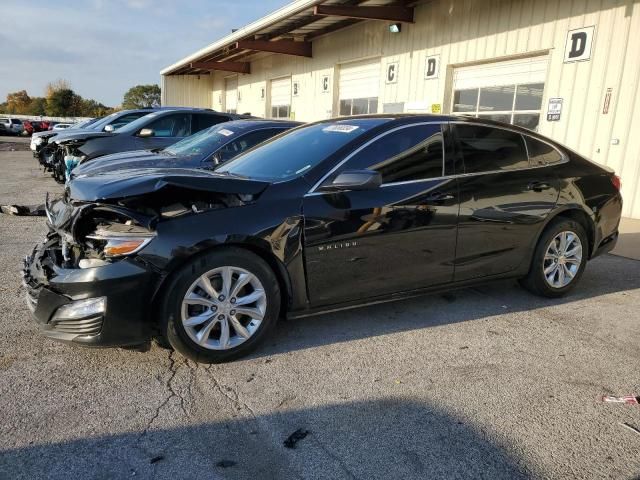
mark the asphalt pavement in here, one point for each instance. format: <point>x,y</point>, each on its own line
<point>487,382</point>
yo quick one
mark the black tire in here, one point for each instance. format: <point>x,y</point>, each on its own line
<point>535,280</point>
<point>171,326</point>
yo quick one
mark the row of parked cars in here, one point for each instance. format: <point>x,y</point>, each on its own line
<point>16,126</point>
<point>200,229</point>
<point>147,133</point>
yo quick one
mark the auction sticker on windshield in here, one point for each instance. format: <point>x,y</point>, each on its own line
<point>225,132</point>
<point>340,128</point>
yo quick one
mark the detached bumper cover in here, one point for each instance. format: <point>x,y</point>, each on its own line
<point>127,286</point>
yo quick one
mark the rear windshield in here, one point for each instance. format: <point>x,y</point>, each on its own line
<point>298,151</point>
<point>15,121</point>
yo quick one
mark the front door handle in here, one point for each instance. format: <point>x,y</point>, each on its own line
<point>538,186</point>
<point>437,197</point>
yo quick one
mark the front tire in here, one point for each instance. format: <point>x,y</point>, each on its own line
<point>559,259</point>
<point>220,306</point>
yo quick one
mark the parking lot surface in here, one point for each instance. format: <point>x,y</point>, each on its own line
<point>488,382</point>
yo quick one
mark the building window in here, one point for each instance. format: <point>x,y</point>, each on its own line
<point>358,106</point>
<point>516,104</point>
<point>280,111</point>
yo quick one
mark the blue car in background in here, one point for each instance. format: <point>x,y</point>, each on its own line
<point>205,149</point>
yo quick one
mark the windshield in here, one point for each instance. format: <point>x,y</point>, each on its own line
<point>82,124</point>
<point>100,124</point>
<point>203,142</point>
<point>138,123</point>
<point>299,150</point>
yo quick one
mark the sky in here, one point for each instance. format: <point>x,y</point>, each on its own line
<point>104,47</point>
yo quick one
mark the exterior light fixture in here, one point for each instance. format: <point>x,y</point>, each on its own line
<point>395,28</point>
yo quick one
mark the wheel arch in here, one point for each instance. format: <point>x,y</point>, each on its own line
<point>577,214</point>
<point>278,268</point>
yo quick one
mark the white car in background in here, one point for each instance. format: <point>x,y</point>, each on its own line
<point>61,126</point>
<point>11,126</point>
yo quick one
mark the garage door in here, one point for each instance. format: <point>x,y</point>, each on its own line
<point>508,91</point>
<point>359,87</point>
<point>231,94</point>
<point>281,97</point>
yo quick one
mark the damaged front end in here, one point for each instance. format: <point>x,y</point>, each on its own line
<point>89,281</point>
<point>82,285</point>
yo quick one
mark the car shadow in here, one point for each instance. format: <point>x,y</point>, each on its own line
<point>604,275</point>
<point>388,438</point>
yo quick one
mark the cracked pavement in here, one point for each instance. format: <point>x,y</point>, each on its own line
<point>488,382</point>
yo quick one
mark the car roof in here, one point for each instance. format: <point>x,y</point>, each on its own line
<point>256,123</point>
<point>409,118</point>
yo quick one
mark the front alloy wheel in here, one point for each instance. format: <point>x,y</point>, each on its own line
<point>223,308</point>
<point>220,305</point>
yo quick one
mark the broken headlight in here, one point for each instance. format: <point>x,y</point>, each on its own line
<point>117,244</point>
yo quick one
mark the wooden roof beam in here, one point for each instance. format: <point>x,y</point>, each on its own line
<point>389,13</point>
<point>286,47</point>
<point>238,67</point>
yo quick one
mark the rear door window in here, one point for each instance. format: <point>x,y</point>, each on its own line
<point>408,154</point>
<point>541,153</point>
<point>488,149</point>
<point>202,121</point>
<point>246,142</point>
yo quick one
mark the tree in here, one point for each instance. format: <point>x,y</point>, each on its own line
<point>62,103</point>
<point>56,85</point>
<point>91,108</point>
<point>38,106</point>
<point>142,96</point>
<point>18,102</point>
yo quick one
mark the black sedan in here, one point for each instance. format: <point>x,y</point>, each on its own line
<point>327,216</point>
<point>205,149</point>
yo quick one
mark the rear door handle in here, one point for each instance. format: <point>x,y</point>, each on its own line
<point>437,197</point>
<point>538,186</point>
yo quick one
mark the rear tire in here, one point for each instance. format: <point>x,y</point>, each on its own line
<point>220,306</point>
<point>559,259</point>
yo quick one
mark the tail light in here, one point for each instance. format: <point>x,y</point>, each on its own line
<point>617,183</point>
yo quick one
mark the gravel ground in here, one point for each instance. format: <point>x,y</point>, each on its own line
<point>489,382</point>
<point>14,143</point>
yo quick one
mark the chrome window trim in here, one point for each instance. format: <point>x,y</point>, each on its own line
<point>565,158</point>
<point>374,139</point>
<point>513,130</point>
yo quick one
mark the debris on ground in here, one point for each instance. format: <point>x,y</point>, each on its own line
<point>225,463</point>
<point>24,210</point>
<point>626,399</point>
<point>295,437</point>
<point>156,459</point>
<point>628,426</point>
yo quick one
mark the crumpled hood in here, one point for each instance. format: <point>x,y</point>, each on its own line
<point>134,182</point>
<point>134,160</point>
<point>44,133</point>
<point>83,135</point>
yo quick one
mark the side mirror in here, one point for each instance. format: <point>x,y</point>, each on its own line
<point>146,132</point>
<point>109,128</point>
<point>355,180</point>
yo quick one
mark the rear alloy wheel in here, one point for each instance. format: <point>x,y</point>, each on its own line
<point>221,306</point>
<point>559,259</point>
<point>562,259</point>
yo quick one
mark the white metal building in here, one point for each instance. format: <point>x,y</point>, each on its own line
<point>568,68</point>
